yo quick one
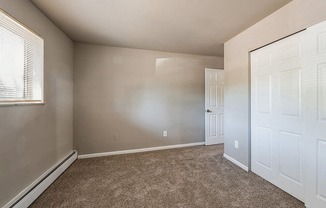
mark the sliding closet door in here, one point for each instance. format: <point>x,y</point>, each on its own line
<point>314,79</point>
<point>263,138</point>
<point>277,115</point>
<point>289,114</point>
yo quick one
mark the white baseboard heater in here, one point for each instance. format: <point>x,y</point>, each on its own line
<point>34,190</point>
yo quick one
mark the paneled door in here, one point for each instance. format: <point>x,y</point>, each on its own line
<point>277,123</point>
<point>314,80</point>
<point>214,106</point>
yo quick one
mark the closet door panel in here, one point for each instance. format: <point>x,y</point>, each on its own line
<point>315,91</point>
<point>277,123</point>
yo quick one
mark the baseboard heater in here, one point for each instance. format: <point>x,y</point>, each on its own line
<point>33,191</point>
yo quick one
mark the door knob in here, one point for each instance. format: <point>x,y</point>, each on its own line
<point>208,111</point>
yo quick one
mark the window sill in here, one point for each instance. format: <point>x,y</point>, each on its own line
<point>3,104</point>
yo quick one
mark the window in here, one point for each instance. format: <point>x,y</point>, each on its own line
<point>21,63</point>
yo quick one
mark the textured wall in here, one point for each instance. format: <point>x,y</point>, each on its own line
<point>291,18</point>
<point>125,98</point>
<point>35,137</point>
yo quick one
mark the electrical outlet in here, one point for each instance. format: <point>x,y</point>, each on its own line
<point>165,133</point>
<point>236,144</point>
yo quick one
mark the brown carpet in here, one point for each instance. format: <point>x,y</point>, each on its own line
<point>187,177</point>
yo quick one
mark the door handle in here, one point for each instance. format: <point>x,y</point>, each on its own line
<point>208,111</point>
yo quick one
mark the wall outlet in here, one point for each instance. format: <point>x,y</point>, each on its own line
<point>165,133</point>
<point>236,144</point>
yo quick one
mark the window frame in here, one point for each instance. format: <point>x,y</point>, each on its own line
<point>23,101</point>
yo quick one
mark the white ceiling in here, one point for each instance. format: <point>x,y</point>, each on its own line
<point>185,26</point>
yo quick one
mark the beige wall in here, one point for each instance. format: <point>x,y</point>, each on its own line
<point>125,98</point>
<point>293,17</point>
<point>35,137</point>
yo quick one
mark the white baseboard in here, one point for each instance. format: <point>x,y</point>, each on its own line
<point>236,162</point>
<point>35,189</point>
<point>139,150</point>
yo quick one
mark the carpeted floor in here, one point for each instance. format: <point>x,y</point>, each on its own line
<point>187,177</point>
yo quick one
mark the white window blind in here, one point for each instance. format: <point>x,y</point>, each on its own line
<point>21,63</point>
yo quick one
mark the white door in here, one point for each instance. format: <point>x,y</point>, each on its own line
<point>314,78</point>
<point>214,106</point>
<point>288,110</point>
<point>277,125</point>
